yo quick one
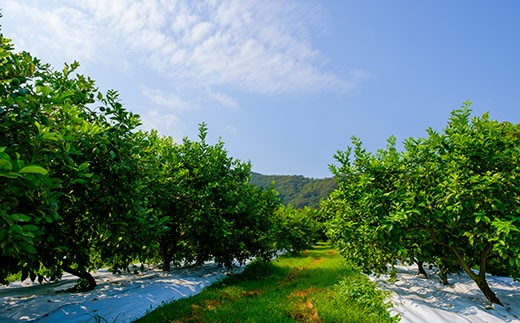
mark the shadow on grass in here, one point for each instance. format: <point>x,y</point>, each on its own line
<point>319,267</point>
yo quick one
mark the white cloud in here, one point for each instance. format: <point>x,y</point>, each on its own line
<point>223,99</point>
<point>169,123</point>
<point>62,33</point>
<point>231,129</point>
<point>169,100</point>
<point>200,31</point>
<point>359,75</point>
<point>259,46</point>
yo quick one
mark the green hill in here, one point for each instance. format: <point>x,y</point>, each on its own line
<point>297,190</point>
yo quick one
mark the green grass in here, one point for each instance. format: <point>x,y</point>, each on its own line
<point>317,286</point>
<point>11,278</point>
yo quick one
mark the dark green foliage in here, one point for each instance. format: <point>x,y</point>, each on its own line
<point>79,203</point>
<point>297,229</point>
<point>81,188</point>
<point>213,211</point>
<point>450,199</point>
<point>298,191</point>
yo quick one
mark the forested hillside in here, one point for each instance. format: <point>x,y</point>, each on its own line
<point>297,190</point>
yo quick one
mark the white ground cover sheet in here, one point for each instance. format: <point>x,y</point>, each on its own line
<point>117,298</point>
<point>126,297</point>
<point>418,299</point>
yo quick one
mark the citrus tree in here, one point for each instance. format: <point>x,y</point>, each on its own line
<point>364,212</point>
<point>450,199</point>
<point>214,213</point>
<point>73,199</point>
<point>83,189</point>
<point>296,229</point>
<point>474,194</point>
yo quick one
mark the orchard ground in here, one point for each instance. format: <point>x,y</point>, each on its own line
<point>117,298</point>
<point>419,299</point>
<point>127,297</point>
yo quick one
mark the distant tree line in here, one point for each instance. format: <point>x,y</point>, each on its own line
<point>297,190</point>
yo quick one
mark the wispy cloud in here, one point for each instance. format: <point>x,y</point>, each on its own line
<point>169,100</point>
<point>169,123</point>
<point>223,99</point>
<point>258,46</point>
<point>53,33</point>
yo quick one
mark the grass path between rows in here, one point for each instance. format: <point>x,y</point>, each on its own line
<point>315,286</point>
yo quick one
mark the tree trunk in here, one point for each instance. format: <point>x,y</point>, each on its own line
<point>480,279</point>
<point>484,287</point>
<point>421,268</point>
<point>166,257</point>
<point>91,282</point>
<point>443,274</point>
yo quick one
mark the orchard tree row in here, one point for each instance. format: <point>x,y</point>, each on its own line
<point>450,199</point>
<point>82,188</point>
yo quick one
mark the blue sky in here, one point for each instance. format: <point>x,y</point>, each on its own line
<point>285,84</point>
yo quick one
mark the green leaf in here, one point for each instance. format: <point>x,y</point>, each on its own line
<point>34,170</point>
<point>17,217</point>
<point>5,164</point>
<point>50,136</point>
<point>31,227</point>
<point>28,248</point>
<point>10,175</point>
<point>83,166</point>
<point>17,229</point>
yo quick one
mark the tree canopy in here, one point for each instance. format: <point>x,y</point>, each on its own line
<point>83,188</point>
<point>451,199</point>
